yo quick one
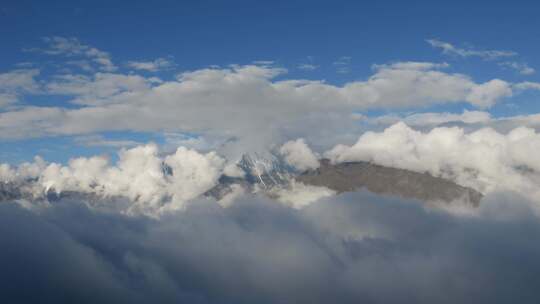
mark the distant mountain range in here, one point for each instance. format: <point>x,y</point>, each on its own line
<point>264,174</point>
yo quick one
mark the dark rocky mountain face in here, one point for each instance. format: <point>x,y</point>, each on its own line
<point>353,176</point>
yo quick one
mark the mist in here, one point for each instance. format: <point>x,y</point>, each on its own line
<point>350,248</point>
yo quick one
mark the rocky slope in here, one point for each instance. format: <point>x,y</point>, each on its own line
<point>352,176</point>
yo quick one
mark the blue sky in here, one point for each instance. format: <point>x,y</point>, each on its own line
<point>337,42</point>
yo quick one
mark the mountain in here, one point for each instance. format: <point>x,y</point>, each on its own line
<point>266,174</point>
<point>351,176</point>
<point>263,174</point>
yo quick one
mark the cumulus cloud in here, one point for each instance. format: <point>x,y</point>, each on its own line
<point>298,154</point>
<point>24,171</point>
<point>347,249</point>
<point>485,95</point>
<point>484,159</point>
<point>154,184</point>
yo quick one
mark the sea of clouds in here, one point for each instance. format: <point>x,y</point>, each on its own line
<point>169,244</point>
<point>350,248</point>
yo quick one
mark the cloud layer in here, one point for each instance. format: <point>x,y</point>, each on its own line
<point>348,249</point>
<point>242,102</point>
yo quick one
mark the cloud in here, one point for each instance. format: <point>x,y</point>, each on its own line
<point>154,184</point>
<point>100,141</point>
<point>431,119</point>
<point>15,83</point>
<point>84,65</point>
<point>412,65</point>
<point>72,47</point>
<point>450,49</point>
<point>485,95</point>
<point>354,248</point>
<point>416,83</point>
<point>298,195</point>
<point>24,171</point>
<point>342,64</point>
<point>527,85</point>
<point>298,154</point>
<point>264,109</point>
<point>308,67</point>
<point>484,159</point>
<point>98,89</point>
<point>520,67</point>
<point>151,66</point>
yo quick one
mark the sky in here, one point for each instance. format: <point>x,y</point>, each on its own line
<point>119,120</point>
<point>56,54</point>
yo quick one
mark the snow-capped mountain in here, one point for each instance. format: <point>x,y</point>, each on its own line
<point>270,174</point>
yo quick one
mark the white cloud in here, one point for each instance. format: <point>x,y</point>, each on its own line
<point>24,171</point>
<point>98,89</point>
<point>486,94</point>
<point>139,175</point>
<point>151,66</point>
<point>15,83</point>
<point>297,154</point>
<point>72,47</point>
<point>408,84</point>
<point>412,65</point>
<point>242,103</point>
<point>527,85</point>
<point>434,119</point>
<point>520,67</point>
<point>484,159</point>
<point>342,65</point>
<point>232,170</point>
<point>298,195</point>
<point>343,60</point>
<point>308,67</point>
<point>450,49</point>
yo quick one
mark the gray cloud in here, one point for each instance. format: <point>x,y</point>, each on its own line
<point>346,249</point>
<point>265,110</point>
